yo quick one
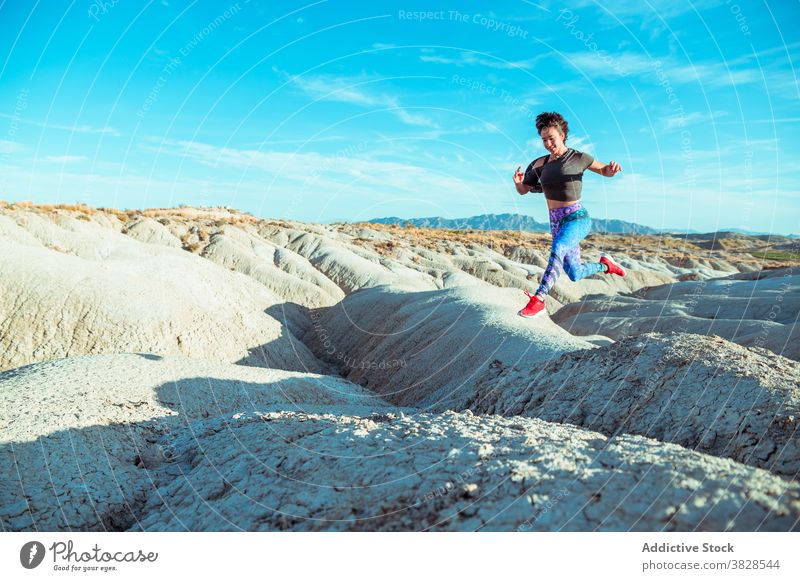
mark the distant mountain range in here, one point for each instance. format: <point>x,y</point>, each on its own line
<point>529,224</point>
<point>511,222</point>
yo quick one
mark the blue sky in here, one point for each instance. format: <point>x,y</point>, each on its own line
<point>332,110</point>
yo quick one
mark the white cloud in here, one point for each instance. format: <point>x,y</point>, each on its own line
<point>485,127</point>
<point>351,90</point>
<point>652,16</point>
<point>334,171</point>
<point>780,52</point>
<point>7,147</point>
<point>93,188</point>
<point>626,10</point>
<point>673,122</point>
<point>734,152</point>
<point>65,158</point>
<point>580,143</point>
<point>709,74</point>
<point>773,121</point>
<point>84,128</point>
<point>534,18</point>
<point>466,58</point>
<point>594,64</point>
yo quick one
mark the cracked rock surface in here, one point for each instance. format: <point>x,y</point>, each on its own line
<point>290,470</point>
<point>78,435</point>
<point>704,393</point>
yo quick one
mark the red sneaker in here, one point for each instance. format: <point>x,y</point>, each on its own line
<point>534,307</point>
<point>613,267</point>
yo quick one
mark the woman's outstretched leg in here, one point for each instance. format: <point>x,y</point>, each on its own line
<point>566,242</point>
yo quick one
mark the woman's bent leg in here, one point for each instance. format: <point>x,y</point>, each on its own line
<point>566,242</point>
<point>575,269</point>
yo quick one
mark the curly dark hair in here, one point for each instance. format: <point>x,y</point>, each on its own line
<point>552,119</point>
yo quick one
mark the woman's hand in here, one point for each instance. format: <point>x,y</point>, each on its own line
<point>518,177</point>
<point>612,168</point>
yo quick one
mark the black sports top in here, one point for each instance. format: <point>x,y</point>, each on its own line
<point>560,179</point>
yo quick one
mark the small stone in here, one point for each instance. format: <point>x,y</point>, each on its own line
<point>470,489</point>
<point>485,451</point>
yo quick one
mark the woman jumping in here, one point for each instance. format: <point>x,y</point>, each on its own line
<point>559,175</point>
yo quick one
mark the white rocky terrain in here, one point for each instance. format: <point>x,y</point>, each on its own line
<point>81,435</point>
<point>752,308</point>
<point>201,369</point>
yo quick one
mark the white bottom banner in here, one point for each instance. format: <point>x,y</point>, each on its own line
<point>333,556</point>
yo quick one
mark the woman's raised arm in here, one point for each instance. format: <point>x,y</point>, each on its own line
<point>605,169</point>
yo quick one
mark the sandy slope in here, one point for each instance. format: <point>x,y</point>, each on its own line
<point>409,345</point>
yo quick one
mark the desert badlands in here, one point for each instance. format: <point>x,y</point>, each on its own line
<point>201,369</point>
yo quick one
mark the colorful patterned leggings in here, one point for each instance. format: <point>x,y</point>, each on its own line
<point>565,254</point>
